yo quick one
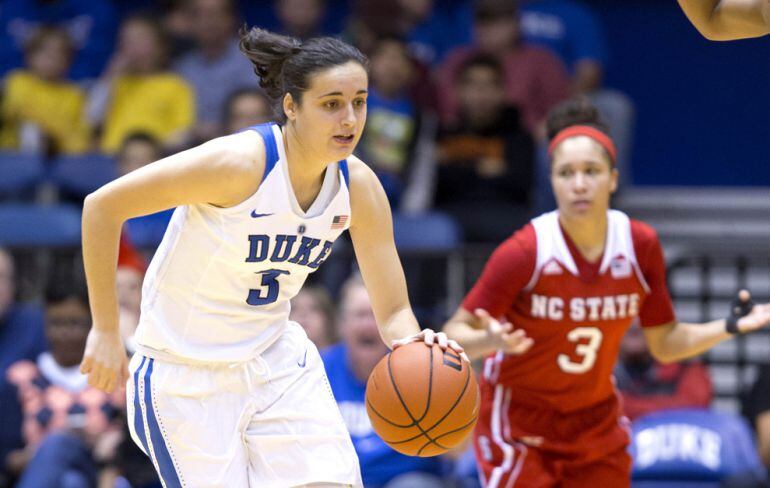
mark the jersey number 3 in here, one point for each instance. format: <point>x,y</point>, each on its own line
<point>269,291</point>
<point>587,351</point>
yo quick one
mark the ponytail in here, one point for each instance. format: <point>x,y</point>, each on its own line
<point>284,64</point>
<point>268,52</point>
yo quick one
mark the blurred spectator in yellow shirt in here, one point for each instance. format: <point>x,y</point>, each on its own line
<point>137,93</point>
<point>42,112</point>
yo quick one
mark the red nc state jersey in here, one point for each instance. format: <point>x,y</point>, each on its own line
<point>577,312</point>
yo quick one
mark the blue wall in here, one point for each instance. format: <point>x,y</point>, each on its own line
<point>703,107</point>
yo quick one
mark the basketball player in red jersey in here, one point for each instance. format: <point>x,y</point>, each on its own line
<point>549,311</point>
<point>725,20</point>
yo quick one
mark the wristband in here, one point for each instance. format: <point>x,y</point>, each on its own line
<point>731,325</point>
<point>738,309</point>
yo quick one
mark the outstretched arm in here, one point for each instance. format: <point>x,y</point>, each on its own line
<point>724,20</point>
<point>676,340</point>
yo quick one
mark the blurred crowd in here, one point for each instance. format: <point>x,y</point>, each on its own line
<point>459,90</point>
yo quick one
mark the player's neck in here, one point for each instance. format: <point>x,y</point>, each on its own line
<point>588,235</point>
<point>306,172</point>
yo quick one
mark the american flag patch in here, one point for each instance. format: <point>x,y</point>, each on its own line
<point>339,221</point>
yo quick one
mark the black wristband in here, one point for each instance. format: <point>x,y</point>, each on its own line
<point>738,309</point>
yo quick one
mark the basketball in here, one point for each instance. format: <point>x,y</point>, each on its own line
<point>422,401</point>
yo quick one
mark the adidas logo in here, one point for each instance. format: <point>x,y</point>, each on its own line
<point>552,268</point>
<point>620,267</point>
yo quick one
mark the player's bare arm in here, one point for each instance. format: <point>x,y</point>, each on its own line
<point>677,340</point>
<point>724,20</point>
<point>480,334</point>
<point>371,229</point>
<point>181,179</point>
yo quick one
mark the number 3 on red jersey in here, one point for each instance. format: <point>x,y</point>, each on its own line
<point>586,350</point>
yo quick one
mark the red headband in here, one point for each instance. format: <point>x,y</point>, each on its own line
<point>588,131</point>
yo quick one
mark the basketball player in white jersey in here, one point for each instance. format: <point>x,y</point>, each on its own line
<point>726,20</point>
<point>224,391</point>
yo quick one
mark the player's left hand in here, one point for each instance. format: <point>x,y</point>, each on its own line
<point>756,318</point>
<point>430,337</point>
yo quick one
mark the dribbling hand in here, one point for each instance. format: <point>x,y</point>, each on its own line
<point>104,360</point>
<point>431,337</point>
<point>502,335</point>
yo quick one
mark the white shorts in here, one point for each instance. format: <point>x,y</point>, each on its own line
<point>270,422</point>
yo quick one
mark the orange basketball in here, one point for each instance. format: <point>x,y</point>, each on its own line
<point>422,401</point>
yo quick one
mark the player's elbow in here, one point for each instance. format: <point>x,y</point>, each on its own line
<point>717,34</point>
<point>100,206</point>
<point>715,31</point>
<point>661,354</point>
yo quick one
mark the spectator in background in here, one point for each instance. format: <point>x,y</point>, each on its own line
<point>129,283</point>
<point>137,93</point>
<point>244,108</point>
<point>573,32</point>
<point>43,112</point>
<point>393,123</point>
<point>647,386</point>
<point>302,19</point>
<point>535,80</point>
<point>90,24</point>
<point>756,407</point>
<point>430,28</point>
<point>216,67</point>
<point>486,160</point>
<point>177,19</point>
<point>22,338</point>
<point>129,467</point>
<point>64,418</point>
<point>128,279</point>
<point>138,149</point>
<point>348,366</point>
<point>312,308</point>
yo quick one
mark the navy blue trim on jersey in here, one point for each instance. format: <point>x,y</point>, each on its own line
<point>162,456</point>
<point>138,417</point>
<point>345,174</point>
<point>271,150</point>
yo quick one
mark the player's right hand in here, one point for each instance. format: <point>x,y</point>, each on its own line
<point>105,361</point>
<point>502,334</point>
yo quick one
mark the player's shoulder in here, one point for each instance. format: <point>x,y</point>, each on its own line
<point>521,245</point>
<point>235,162</point>
<point>363,184</point>
<point>642,233</point>
<point>239,152</point>
<point>646,243</point>
<point>525,238</point>
<point>360,172</point>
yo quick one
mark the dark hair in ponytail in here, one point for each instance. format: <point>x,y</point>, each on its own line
<point>284,64</point>
<point>576,111</point>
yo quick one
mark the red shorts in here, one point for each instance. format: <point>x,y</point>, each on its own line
<point>522,446</point>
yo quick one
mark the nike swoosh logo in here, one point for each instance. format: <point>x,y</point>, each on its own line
<point>304,360</point>
<point>256,215</point>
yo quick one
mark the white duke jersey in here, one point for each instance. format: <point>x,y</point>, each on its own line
<point>219,285</point>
